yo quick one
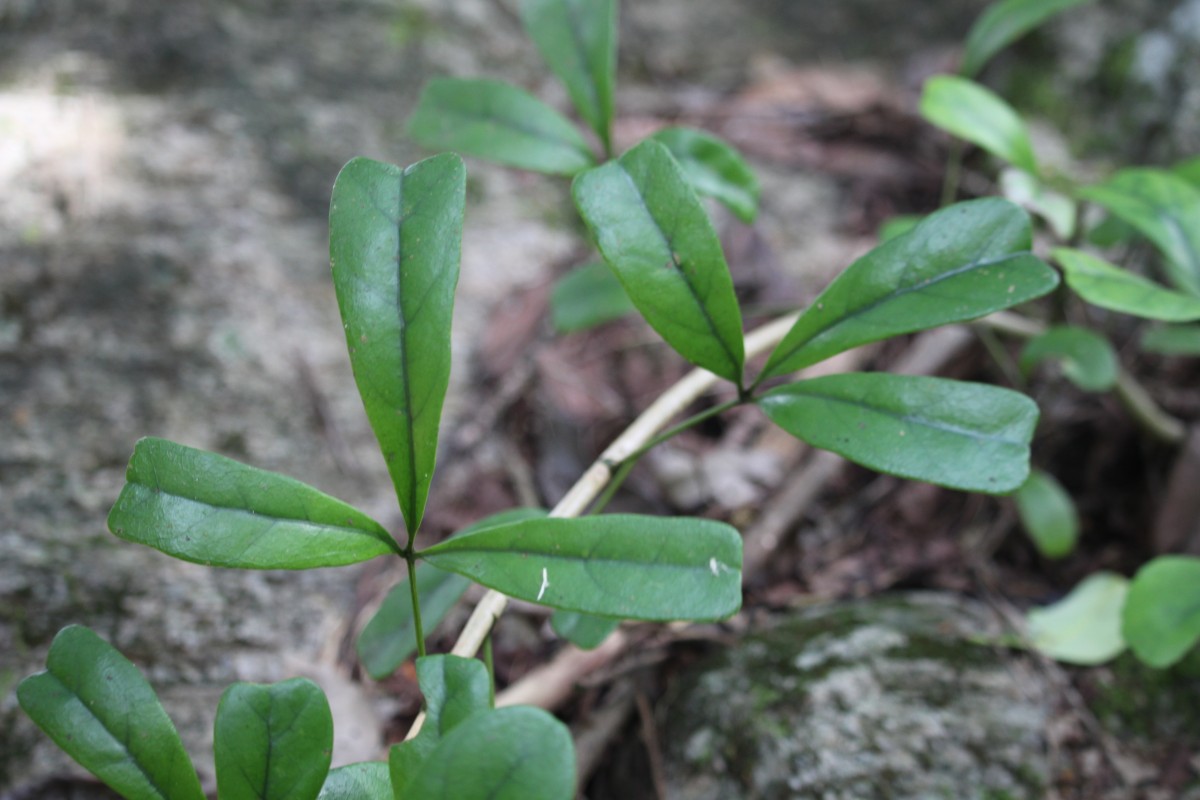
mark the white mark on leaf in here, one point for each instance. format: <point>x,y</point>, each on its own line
<point>545,583</point>
<point>716,567</point>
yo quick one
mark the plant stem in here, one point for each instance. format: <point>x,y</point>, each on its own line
<point>621,471</point>
<point>585,490</point>
<point>411,559</point>
<point>490,662</point>
<point>954,161</point>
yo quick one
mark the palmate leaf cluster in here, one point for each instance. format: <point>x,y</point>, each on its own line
<point>395,238</point>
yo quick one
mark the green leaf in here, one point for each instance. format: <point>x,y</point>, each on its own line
<point>206,508</point>
<point>1002,24</point>
<point>518,753</point>
<point>714,168</point>
<point>272,742</point>
<point>624,566</point>
<point>960,435</point>
<point>1086,358</point>
<point>980,116</point>
<point>496,121</point>
<point>1173,340</point>
<point>1108,286</point>
<point>394,243</point>
<point>960,263</point>
<point>455,690</point>
<point>578,39</point>
<point>1165,209</point>
<point>1085,626</point>
<point>1030,193</point>
<point>366,780</point>
<point>1161,620</point>
<point>897,226</point>
<point>390,637</point>
<point>97,707</point>
<point>1189,170</point>
<point>586,297</point>
<point>653,232</point>
<point>1048,514</point>
<point>585,631</point>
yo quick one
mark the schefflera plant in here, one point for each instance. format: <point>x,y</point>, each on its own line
<point>395,244</point>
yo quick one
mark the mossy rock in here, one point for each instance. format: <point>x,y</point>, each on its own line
<point>882,698</point>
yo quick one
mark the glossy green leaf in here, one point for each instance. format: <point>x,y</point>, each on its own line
<point>1085,626</point>
<point>624,566</point>
<point>578,39</point>
<point>1002,24</point>
<point>1048,514</point>
<point>394,243</point>
<point>980,116</point>
<point>586,631</point>
<point>390,636</point>
<point>518,753</point>
<point>715,169</point>
<point>653,232</point>
<point>455,689</point>
<point>97,707</point>
<point>960,263</point>
<point>1031,194</point>
<point>366,780</point>
<point>1161,620</point>
<point>1085,357</point>
<point>960,435</point>
<point>1108,286</point>
<point>1173,340</point>
<point>1165,209</point>
<point>272,742</point>
<point>497,121</point>
<point>206,508</point>
<point>586,297</point>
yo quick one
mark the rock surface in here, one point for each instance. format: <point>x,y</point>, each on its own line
<point>880,699</point>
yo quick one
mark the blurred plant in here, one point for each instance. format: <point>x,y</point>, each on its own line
<point>1158,614</point>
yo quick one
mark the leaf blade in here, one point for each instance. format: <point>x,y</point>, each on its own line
<point>1108,286</point>
<point>1165,209</point>
<point>1085,626</point>
<point>204,508</point>
<point>1087,359</point>
<point>272,741</point>
<point>394,243</point>
<point>1161,619</point>
<point>714,168</point>
<point>1002,24</point>
<point>959,435</point>
<point>517,753</point>
<point>586,297</point>
<point>578,40</point>
<point>1048,514</point>
<point>366,780</point>
<point>960,263</point>
<point>979,116</point>
<point>585,631</point>
<point>624,566</point>
<point>455,689</point>
<point>496,121</point>
<point>97,707</point>
<point>653,232</point>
